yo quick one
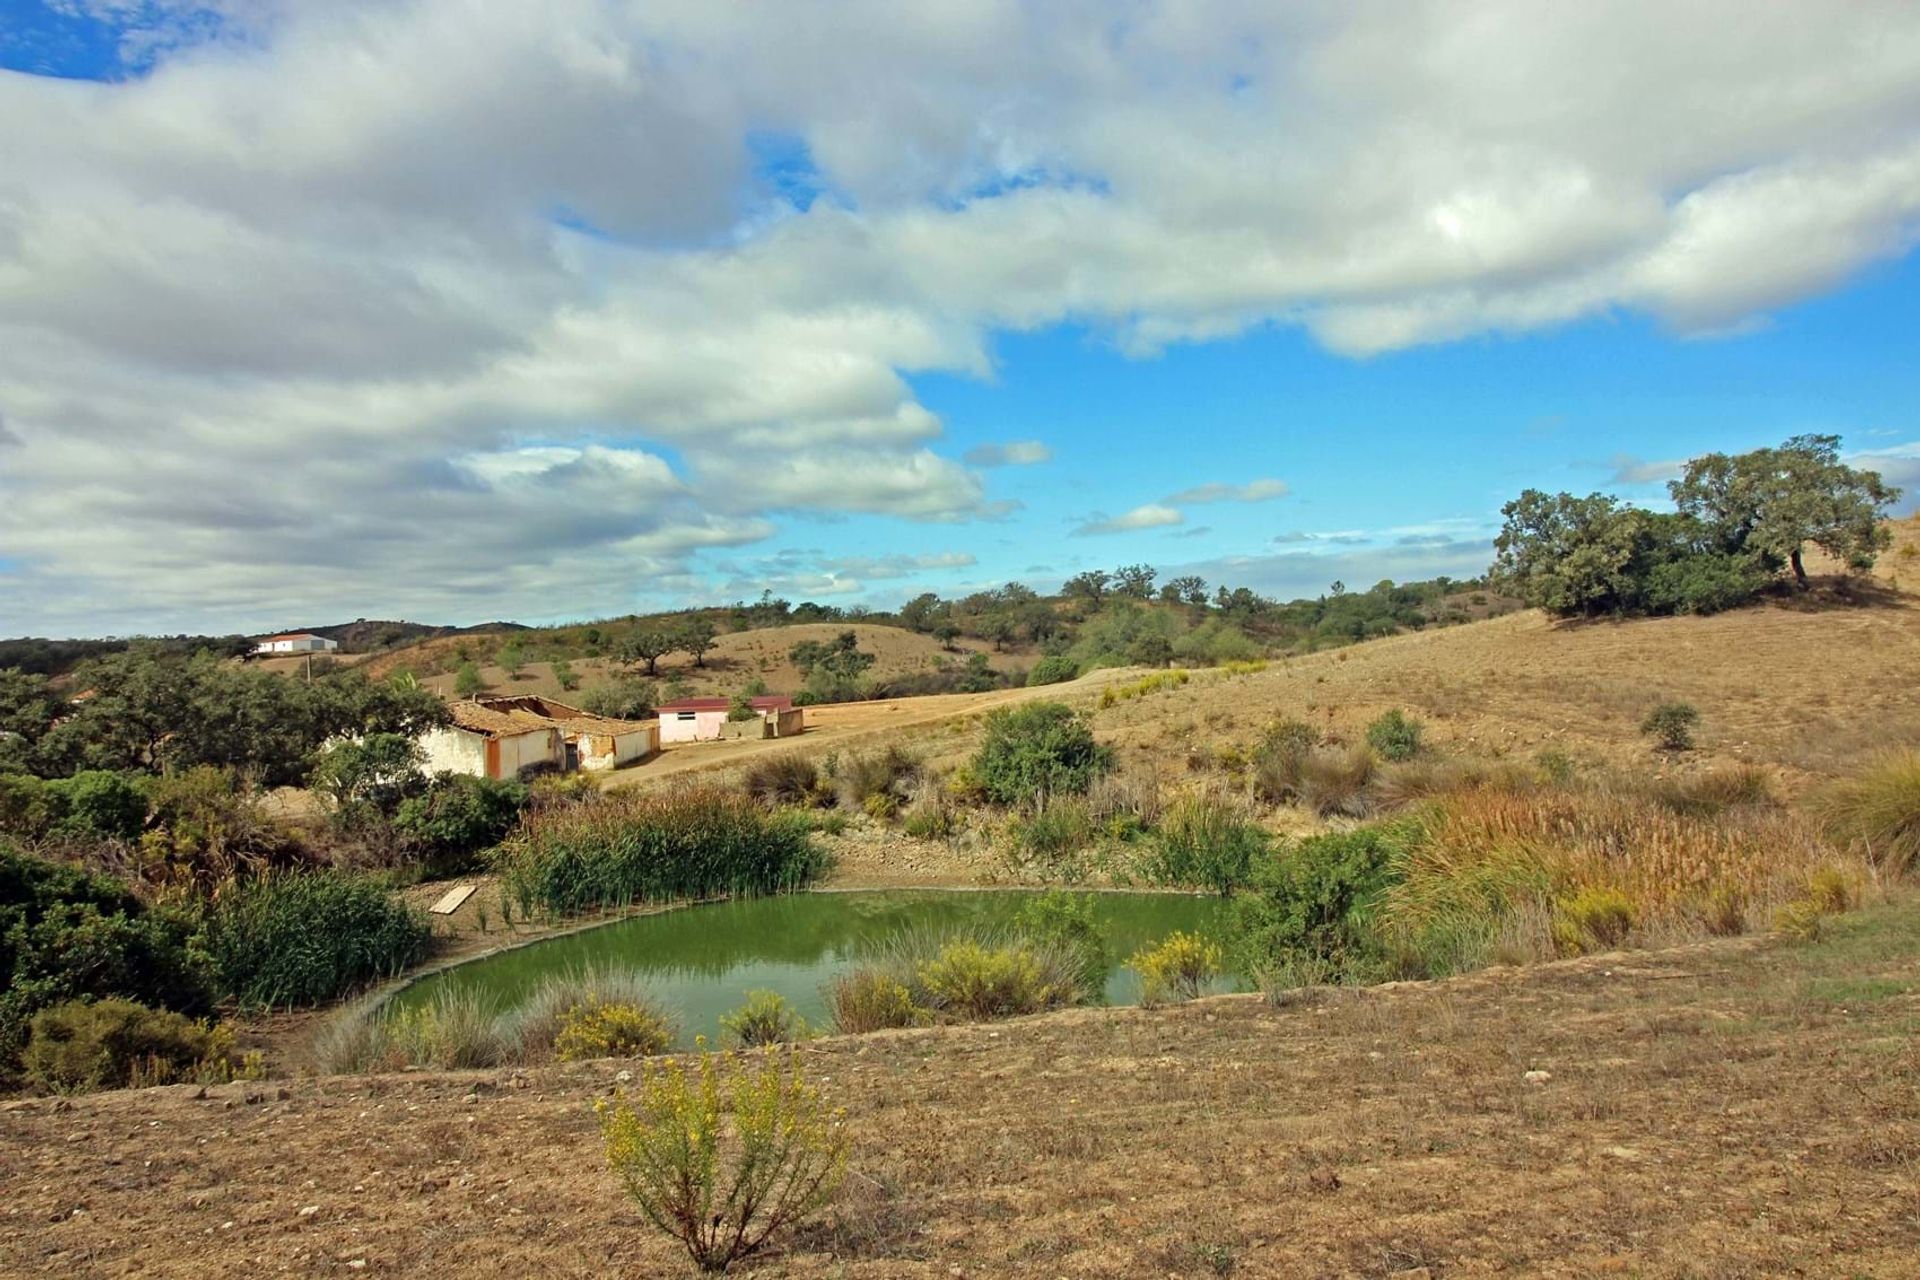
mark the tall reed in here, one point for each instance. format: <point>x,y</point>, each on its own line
<point>628,847</point>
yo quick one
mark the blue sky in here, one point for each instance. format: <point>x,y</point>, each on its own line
<point>381,309</point>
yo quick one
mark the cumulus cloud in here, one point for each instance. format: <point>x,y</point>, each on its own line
<point>1015,453</point>
<point>1151,515</point>
<point>421,304</point>
<point>1252,491</point>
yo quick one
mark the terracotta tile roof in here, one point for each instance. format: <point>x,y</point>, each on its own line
<point>771,702</point>
<point>528,713</point>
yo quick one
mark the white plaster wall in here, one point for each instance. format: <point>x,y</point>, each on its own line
<point>704,727</point>
<point>451,750</point>
<point>524,750</point>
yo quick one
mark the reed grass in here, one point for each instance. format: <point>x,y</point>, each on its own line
<point>628,847</point>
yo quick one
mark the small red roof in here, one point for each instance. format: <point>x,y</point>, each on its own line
<point>770,702</point>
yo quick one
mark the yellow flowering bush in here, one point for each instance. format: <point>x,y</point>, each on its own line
<point>609,1029</point>
<point>720,1154</point>
<point>1176,968</point>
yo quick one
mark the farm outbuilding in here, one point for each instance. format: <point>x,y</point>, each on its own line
<point>508,737</point>
<point>705,719</point>
<point>295,642</point>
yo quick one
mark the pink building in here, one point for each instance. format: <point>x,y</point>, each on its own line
<point>705,719</point>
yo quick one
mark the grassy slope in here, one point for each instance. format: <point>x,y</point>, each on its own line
<point>1732,1109</point>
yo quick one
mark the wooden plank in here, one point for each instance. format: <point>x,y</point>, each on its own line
<point>450,900</point>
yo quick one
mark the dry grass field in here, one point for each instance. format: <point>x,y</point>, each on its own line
<point>1737,1109</point>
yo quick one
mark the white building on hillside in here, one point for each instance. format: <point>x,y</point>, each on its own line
<point>295,642</point>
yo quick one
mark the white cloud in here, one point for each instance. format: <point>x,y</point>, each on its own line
<point>1014,453</point>
<point>1628,469</point>
<point>1152,515</point>
<point>289,319</point>
<point>1252,491</point>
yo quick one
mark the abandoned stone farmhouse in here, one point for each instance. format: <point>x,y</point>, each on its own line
<point>509,737</point>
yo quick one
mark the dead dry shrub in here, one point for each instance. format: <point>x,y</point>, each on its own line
<point>790,779</point>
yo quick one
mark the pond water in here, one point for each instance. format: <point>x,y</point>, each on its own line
<point>701,961</point>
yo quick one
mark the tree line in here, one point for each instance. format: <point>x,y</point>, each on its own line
<point>1741,524</point>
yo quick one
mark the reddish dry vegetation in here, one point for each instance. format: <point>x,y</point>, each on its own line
<point>1743,1108</point>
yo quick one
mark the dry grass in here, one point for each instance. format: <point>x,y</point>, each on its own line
<point>1878,812</point>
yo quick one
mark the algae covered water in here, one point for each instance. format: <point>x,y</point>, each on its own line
<point>701,961</point>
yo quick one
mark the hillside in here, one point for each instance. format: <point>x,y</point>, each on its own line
<point>735,659</point>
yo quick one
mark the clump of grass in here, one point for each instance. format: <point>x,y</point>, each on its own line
<point>766,1018</point>
<point>1877,813</point>
<point>1158,682</point>
<point>1124,805</point>
<point>877,783</point>
<point>534,1027</point>
<point>456,1030</point>
<point>1207,840</point>
<point>790,779</point>
<point>1059,827</point>
<point>868,999</point>
<point>934,816</point>
<point>973,976</point>
<point>1424,779</point>
<point>1335,781</point>
<point>1177,968</point>
<point>632,846</point>
<point>1713,793</point>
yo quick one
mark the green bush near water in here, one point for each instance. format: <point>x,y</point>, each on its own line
<point>306,939</point>
<point>1040,749</point>
<point>632,847</point>
<point>1315,901</point>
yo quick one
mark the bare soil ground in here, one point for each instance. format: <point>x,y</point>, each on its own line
<point>1744,1108</point>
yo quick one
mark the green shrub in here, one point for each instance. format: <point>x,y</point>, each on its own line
<point>766,1018</point>
<point>67,935</point>
<point>1317,899</point>
<point>1067,920</point>
<point>631,846</point>
<point>459,815</point>
<point>1878,813</point>
<point>110,1044</point>
<point>1703,583</point>
<point>467,682</point>
<point>1395,736</point>
<point>1042,748</point>
<point>721,1162</point>
<point>97,804</point>
<point>1593,919</point>
<point>868,999</point>
<point>1671,725</point>
<point>1175,969</point>
<point>1206,840</point>
<point>786,779</point>
<point>305,939</point>
<point>1055,668</point>
<point>28,807</point>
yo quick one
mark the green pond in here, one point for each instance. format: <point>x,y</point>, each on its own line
<point>701,961</point>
